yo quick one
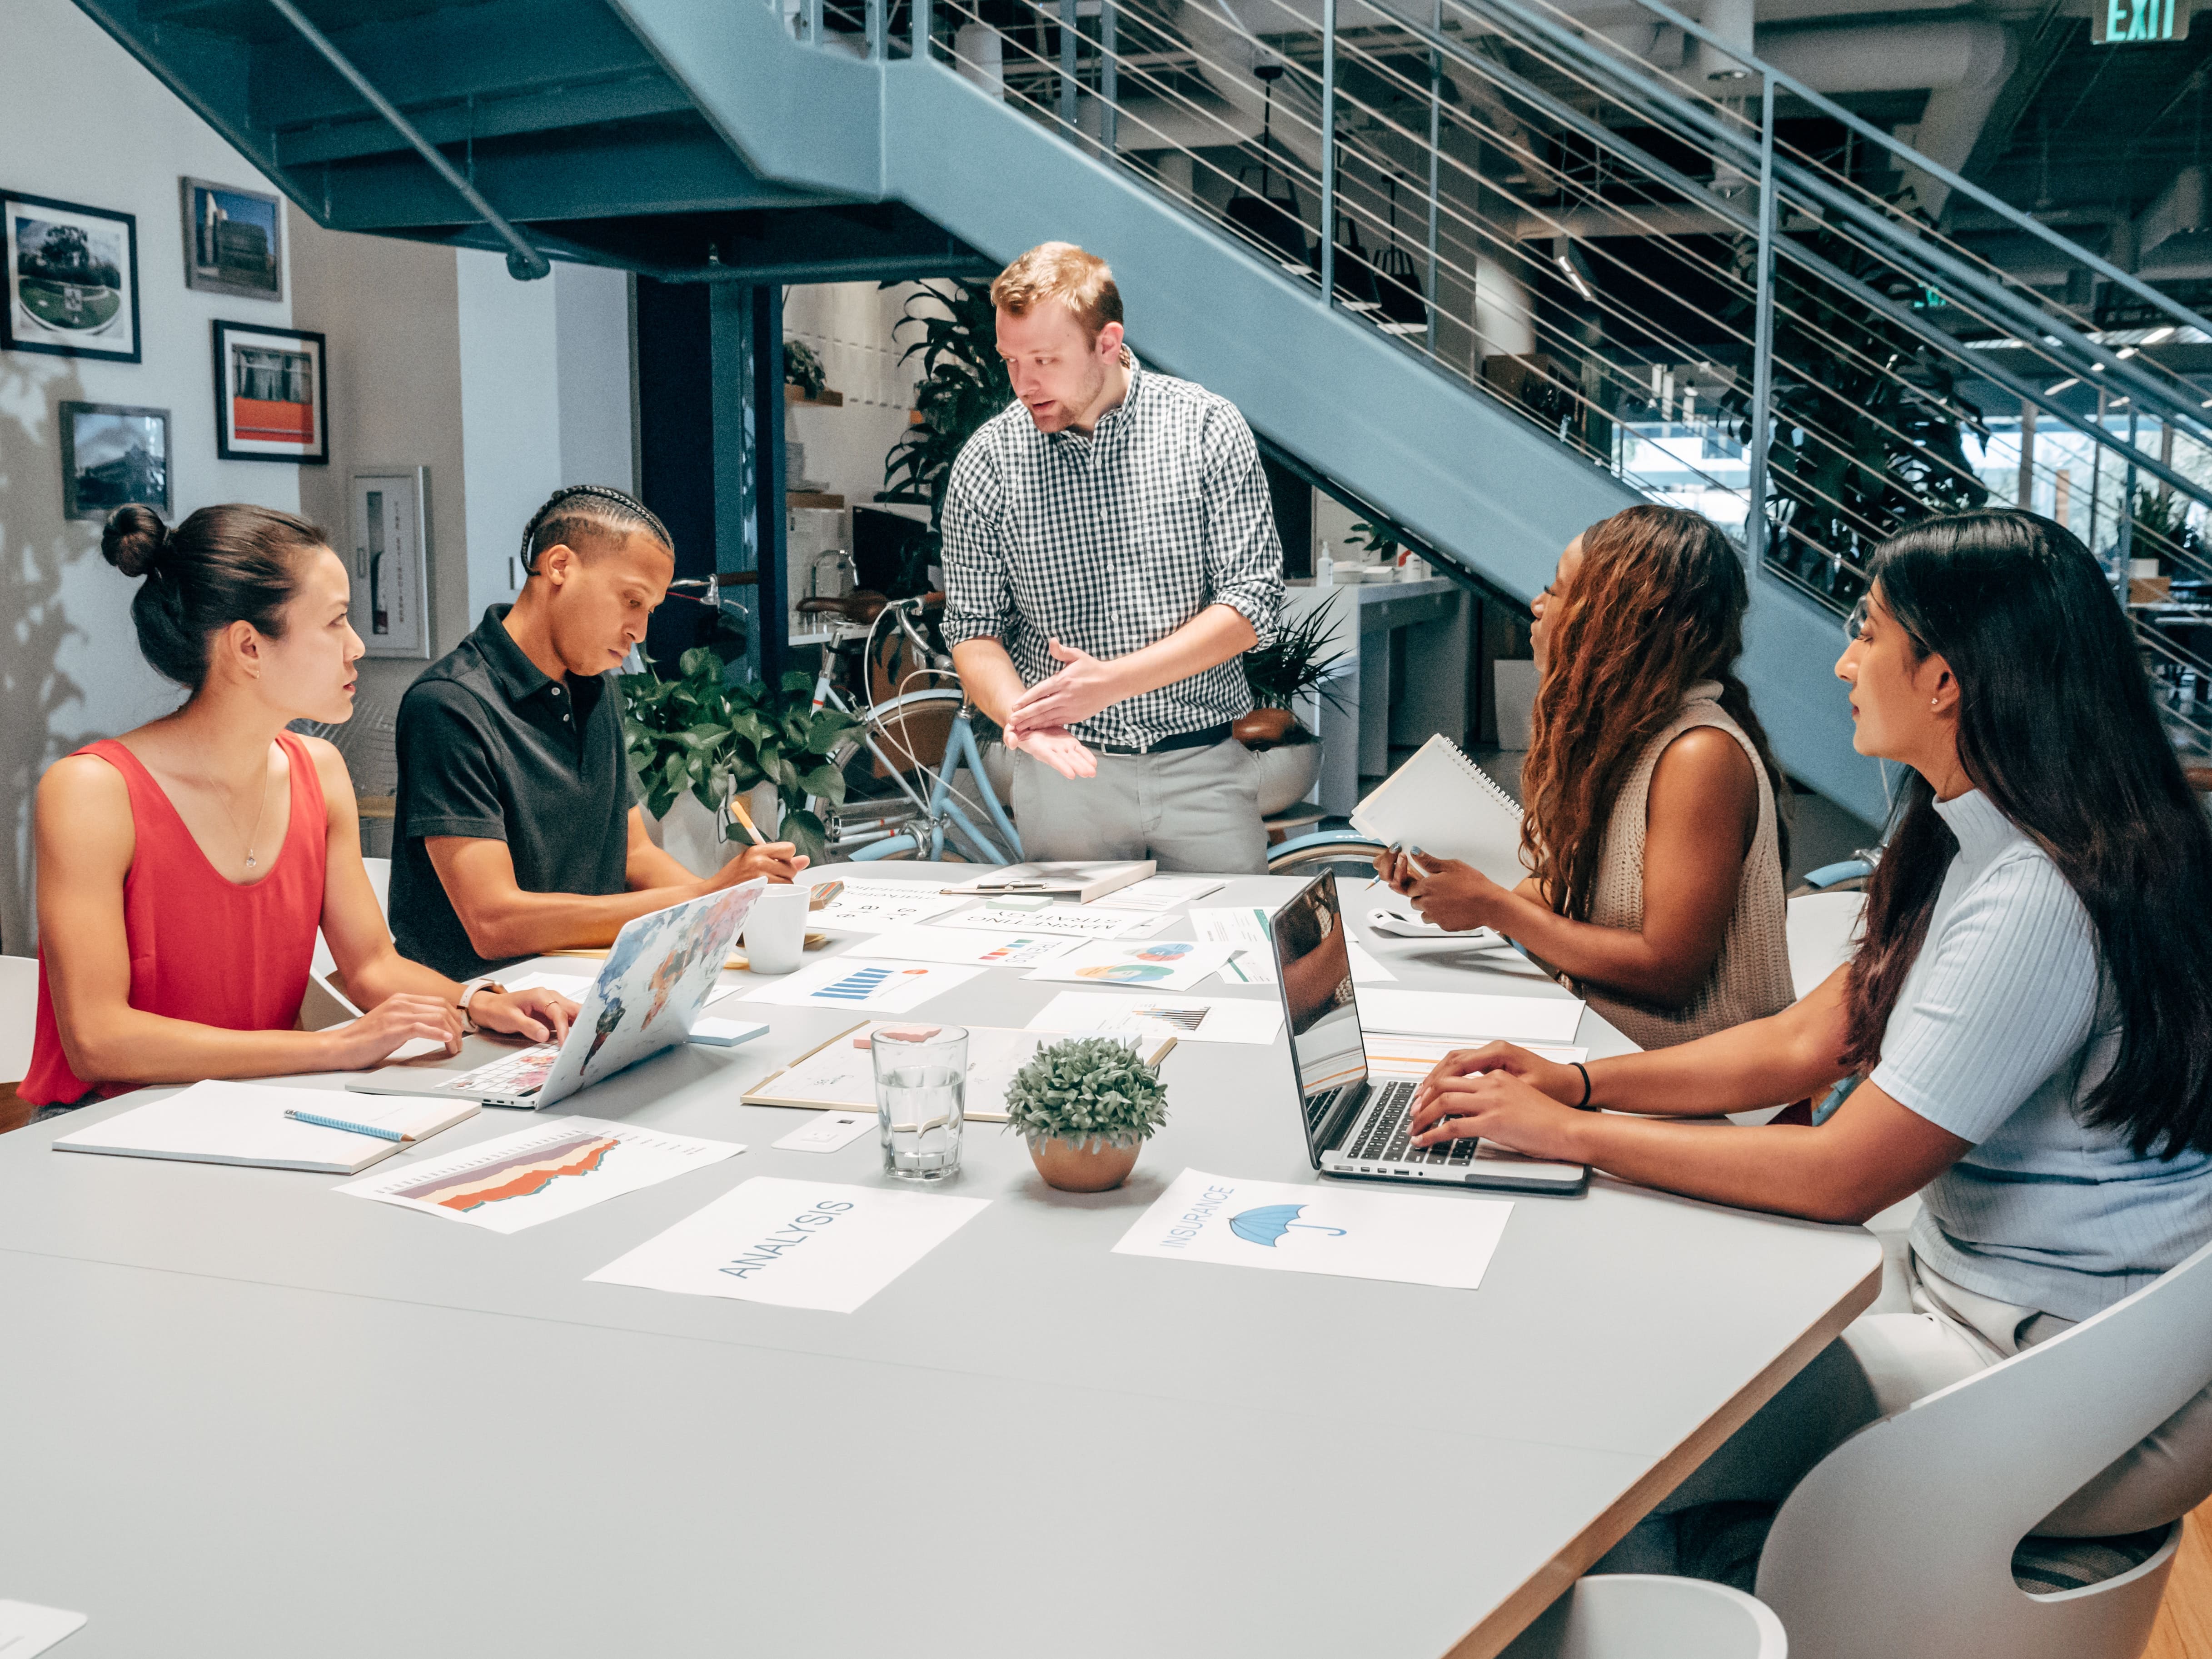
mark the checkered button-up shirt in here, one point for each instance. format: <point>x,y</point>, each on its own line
<point>1111,541</point>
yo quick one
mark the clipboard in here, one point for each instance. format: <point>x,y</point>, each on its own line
<point>839,1075</point>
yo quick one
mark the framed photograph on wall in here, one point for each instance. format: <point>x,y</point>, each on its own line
<point>234,240</point>
<point>72,279</point>
<point>112,455</point>
<point>271,395</point>
<point>390,560</point>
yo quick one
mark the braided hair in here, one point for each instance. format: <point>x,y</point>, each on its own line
<point>584,510</point>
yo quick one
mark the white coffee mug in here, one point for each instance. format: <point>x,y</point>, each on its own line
<point>775,930</point>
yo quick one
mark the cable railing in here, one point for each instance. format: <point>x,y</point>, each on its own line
<point>1714,289</point>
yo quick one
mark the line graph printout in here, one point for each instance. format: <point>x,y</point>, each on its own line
<point>550,1169</point>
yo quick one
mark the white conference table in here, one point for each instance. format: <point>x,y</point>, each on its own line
<point>246,1417</point>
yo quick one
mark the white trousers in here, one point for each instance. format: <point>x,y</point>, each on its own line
<point>1884,1362</point>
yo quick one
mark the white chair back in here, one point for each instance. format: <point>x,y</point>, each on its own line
<point>379,877</point>
<point>1642,1616</point>
<point>1823,929</point>
<point>19,1015</point>
<point>1899,1542</point>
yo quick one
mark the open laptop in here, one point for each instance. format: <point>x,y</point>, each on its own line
<point>1357,1126</point>
<point>657,978</point>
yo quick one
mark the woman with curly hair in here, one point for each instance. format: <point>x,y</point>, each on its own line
<point>1654,830</point>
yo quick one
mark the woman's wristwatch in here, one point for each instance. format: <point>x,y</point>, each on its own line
<point>468,1027</point>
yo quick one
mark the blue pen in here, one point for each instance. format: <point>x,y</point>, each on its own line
<point>351,1128</point>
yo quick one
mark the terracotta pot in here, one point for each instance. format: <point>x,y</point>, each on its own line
<point>1261,725</point>
<point>1092,1166</point>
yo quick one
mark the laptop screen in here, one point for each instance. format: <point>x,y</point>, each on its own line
<point>1314,970</point>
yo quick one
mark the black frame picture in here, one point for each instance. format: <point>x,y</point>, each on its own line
<point>233,239</point>
<point>94,481</point>
<point>260,375</point>
<point>75,294</point>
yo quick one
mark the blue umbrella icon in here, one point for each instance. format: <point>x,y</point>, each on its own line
<point>1268,1223</point>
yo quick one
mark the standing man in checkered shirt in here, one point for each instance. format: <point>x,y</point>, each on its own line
<point>1109,555</point>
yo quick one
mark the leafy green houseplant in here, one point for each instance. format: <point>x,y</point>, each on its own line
<point>964,383</point>
<point>1085,1105</point>
<point>1297,659</point>
<point>803,369</point>
<point>696,733</point>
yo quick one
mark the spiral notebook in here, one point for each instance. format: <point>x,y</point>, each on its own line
<point>1441,802</point>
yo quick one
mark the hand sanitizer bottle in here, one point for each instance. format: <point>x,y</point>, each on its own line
<point>1324,568</point>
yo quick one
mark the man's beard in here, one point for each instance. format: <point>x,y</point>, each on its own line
<point>1068,410</point>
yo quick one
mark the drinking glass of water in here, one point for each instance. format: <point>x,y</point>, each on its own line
<point>921,1074</point>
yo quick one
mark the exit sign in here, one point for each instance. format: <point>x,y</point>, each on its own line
<point>2113,22</point>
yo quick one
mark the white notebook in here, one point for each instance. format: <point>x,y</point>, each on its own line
<point>1441,802</point>
<point>245,1123</point>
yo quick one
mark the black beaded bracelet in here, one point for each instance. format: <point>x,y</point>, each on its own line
<point>1583,1105</point>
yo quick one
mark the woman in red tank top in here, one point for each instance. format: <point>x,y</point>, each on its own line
<point>185,868</point>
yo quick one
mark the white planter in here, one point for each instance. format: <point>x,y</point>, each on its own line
<point>1286,773</point>
<point>690,836</point>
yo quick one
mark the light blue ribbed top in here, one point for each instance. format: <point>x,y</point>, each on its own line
<point>2003,1027</point>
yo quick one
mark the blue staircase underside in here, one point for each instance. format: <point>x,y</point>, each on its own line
<point>613,130</point>
<point>1476,483</point>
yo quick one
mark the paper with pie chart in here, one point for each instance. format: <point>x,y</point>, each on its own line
<point>1145,964</point>
<point>1343,1231</point>
<point>551,1169</point>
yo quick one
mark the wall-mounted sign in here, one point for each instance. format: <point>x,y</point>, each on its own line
<point>2115,22</point>
<point>389,562</point>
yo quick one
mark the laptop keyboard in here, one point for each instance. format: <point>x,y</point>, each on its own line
<point>520,1073</point>
<point>1388,1135</point>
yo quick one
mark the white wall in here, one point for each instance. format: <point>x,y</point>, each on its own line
<point>83,122</point>
<point>545,401</point>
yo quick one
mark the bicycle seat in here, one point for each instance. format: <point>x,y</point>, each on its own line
<point>861,607</point>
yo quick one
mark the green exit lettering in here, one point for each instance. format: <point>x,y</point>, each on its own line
<point>2135,20</point>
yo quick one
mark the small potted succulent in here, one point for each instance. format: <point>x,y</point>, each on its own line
<point>1085,1105</point>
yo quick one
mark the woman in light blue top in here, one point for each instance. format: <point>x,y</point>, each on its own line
<point>2027,1020</point>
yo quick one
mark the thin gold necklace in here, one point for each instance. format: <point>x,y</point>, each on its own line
<point>250,861</point>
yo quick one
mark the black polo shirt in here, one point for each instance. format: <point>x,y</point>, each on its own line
<point>491,749</point>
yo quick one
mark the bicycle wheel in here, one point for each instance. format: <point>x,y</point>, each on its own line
<point>890,763</point>
<point>1339,850</point>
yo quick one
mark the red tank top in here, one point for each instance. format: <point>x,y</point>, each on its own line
<point>202,948</point>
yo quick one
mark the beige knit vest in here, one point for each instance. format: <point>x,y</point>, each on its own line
<point>1750,979</point>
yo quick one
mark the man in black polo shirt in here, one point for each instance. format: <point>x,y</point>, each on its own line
<point>517,831</point>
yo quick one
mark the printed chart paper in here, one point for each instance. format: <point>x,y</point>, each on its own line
<point>551,1169</point>
<point>1012,948</point>
<point>1180,1015</point>
<point>867,985</point>
<point>1160,964</point>
<point>26,1628</point>
<point>877,907</point>
<point>1481,1018</point>
<point>795,1244</point>
<point>1414,1238</point>
<point>1165,892</point>
<point>1244,925</point>
<point>1085,921</point>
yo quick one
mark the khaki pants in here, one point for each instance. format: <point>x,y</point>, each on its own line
<point>1191,809</point>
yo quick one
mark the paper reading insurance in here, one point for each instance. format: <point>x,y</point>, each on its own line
<point>1415,1238</point>
<point>797,1243</point>
<point>551,1169</point>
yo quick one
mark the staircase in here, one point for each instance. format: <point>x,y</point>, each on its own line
<point>1567,268</point>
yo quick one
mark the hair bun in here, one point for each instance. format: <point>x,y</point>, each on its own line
<point>134,539</point>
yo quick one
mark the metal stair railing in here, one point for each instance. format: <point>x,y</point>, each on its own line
<point>1590,227</point>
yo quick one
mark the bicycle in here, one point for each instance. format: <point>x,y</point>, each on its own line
<point>893,735</point>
